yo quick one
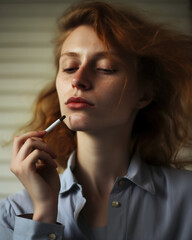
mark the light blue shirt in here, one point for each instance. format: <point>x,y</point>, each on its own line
<point>148,203</point>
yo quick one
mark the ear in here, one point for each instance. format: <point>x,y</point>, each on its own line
<point>144,101</point>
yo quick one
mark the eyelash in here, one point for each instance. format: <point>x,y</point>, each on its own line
<point>106,70</point>
<point>70,70</point>
<point>103,70</point>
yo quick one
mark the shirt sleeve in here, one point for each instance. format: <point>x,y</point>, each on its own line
<point>6,220</point>
<point>18,227</point>
<point>27,229</point>
<point>5,233</point>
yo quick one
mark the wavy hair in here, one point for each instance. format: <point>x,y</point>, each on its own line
<point>163,61</point>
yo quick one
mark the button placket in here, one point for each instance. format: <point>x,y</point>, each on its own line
<point>121,183</point>
<point>115,212</point>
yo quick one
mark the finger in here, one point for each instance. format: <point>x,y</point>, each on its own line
<point>23,169</point>
<point>19,140</point>
<point>30,163</point>
<point>30,175</point>
<point>32,144</point>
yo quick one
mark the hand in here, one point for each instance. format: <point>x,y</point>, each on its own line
<point>33,163</point>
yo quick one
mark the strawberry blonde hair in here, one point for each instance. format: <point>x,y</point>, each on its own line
<point>163,63</point>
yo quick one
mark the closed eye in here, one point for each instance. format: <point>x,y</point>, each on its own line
<point>106,70</point>
<point>70,70</point>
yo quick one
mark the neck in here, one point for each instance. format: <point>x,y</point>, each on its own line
<point>102,156</point>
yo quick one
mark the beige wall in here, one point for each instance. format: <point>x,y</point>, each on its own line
<point>26,59</point>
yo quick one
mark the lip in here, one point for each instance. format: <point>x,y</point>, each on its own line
<point>78,103</point>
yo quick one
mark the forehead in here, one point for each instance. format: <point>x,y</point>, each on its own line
<point>83,38</point>
<point>83,41</point>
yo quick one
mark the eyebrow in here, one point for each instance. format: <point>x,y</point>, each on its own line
<point>70,54</point>
<point>97,55</point>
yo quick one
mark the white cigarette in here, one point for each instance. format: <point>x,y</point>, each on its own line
<point>54,124</point>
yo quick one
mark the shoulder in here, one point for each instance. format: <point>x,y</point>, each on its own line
<point>176,176</point>
<point>16,204</point>
<point>175,182</point>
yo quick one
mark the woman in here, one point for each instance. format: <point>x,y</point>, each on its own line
<point>125,86</point>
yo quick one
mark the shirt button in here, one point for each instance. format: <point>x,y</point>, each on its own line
<point>115,204</point>
<point>52,236</point>
<point>121,183</point>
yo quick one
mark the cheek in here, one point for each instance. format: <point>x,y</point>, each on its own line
<point>61,86</point>
<point>58,82</point>
<point>126,97</point>
<point>60,91</point>
<point>109,91</point>
<point>112,94</point>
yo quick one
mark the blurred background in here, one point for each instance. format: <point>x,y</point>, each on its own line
<point>27,28</point>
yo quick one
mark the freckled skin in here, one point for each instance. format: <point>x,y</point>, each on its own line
<point>97,78</point>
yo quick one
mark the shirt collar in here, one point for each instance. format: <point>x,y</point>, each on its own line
<point>68,179</point>
<point>138,172</point>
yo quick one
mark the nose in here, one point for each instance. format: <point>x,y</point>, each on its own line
<point>81,79</point>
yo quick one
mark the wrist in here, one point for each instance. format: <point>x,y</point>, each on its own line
<point>45,214</point>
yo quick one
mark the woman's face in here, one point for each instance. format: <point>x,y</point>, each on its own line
<point>96,90</point>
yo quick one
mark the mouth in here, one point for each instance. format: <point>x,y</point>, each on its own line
<point>78,103</point>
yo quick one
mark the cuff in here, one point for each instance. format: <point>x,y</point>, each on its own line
<point>27,229</point>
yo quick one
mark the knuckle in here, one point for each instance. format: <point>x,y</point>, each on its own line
<point>16,138</point>
<point>37,152</point>
<point>14,170</point>
<point>29,141</point>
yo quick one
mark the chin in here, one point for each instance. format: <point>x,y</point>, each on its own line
<point>78,122</point>
<point>79,127</point>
